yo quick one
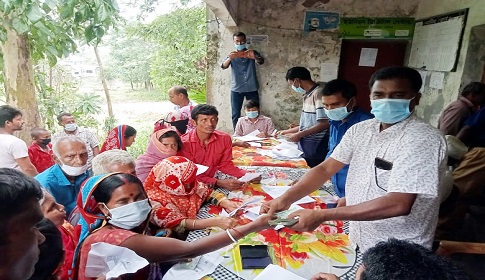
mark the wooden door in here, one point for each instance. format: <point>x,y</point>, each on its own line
<point>389,53</point>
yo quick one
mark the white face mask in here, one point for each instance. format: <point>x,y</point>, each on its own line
<point>70,127</point>
<point>74,170</point>
<point>130,215</point>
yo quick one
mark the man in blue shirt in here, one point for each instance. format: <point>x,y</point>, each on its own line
<point>244,83</point>
<point>340,105</point>
<point>63,180</point>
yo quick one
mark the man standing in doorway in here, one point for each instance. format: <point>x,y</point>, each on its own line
<point>13,151</point>
<point>244,83</point>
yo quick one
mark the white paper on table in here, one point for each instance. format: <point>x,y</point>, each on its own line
<point>249,176</point>
<point>201,168</point>
<point>255,144</point>
<point>112,261</point>
<point>205,265</point>
<point>287,153</point>
<point>224,213</point>
<point>272,272</point>
<point>250,137</point>
<point>286,145</point>
<point>277,191</point>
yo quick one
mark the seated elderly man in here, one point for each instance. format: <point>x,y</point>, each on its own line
<point>19,213</point>
<point>114,161</point>
<point>63,180</point>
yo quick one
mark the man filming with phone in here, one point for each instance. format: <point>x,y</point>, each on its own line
<point>396,164</point>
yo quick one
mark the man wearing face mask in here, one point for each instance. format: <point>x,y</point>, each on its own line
<point>340,105</point>
<point>64,179</point>
<point>72,129</point>
<point>396,164</point>
<point>244,83</point>
<point>312,133</point>
<point>40,151</point>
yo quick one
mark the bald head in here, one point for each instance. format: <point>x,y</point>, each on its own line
<point>178,95</point>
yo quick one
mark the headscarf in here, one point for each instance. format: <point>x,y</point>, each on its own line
<point>115,139</point>
<point>155,152</point>
<point>171,200</point>
<point>176,119</point>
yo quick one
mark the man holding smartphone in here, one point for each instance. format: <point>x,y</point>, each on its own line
<point>396,162</point>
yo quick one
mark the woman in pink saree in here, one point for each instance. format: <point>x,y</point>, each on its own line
<point>163,144</point>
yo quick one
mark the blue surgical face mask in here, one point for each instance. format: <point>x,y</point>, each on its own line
<point>298,89</point>
<point>337,114</point>
<point>240,47</point>
<point>252,114</point>
<point>390,111</point>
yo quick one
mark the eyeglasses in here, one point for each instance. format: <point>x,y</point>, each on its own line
<point>381,164</point>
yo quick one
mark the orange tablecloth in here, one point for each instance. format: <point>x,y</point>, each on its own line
<point>250,157</point>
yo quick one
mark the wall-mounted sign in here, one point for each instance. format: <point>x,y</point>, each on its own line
<point>376,28</point>
<point>317,20</point>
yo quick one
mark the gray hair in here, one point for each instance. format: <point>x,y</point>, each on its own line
<point>102,161</point>
<point>72,139</point>
<point>44,194</point>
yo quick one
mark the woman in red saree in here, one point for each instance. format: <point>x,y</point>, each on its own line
<point>115,209</point>
<point>119,138</point>
<point>176,196</point>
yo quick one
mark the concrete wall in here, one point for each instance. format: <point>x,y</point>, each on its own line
<point>471,58</point>
<point>288,46</point>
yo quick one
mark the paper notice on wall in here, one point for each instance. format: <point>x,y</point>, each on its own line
<point>436,80</point>
<point>423,77</point>
<point>368,57</point>
<point>328,72</point>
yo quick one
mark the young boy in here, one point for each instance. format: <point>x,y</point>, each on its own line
<point>40,151</point>
<point>254,120</point>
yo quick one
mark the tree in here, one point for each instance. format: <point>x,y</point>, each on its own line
<point>32,30</point>
<point>130,58</point>
<point>180,54</point>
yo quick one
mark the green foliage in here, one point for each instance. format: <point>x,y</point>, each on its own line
<point>180,56</point>
<point>61,97</point>
<point>129,58</point>
<point>53,25</point>
<point>141,142</point>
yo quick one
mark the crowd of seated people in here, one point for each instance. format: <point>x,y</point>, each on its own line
<point>89,195</point>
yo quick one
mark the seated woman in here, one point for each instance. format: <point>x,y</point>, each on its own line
<point>163,143</point>
<point>119,138</point>
<point>115,210</point>
<point>55,212</point>
<point>176,196</point>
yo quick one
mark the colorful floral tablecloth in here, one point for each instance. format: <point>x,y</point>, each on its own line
<point>250,157</point>
<point>327,249</point>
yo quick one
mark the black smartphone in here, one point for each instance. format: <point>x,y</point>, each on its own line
<point>254,256</point>
<point>382,164</point>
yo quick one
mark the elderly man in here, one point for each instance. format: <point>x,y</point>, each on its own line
<point>180,98</point>
<point>72,129</point>
<point>13,151</point>
<point>19,212</point>
<point>64,179</point>
<point>397,162</point>
<point>114,161</point>
<point>207,146</point>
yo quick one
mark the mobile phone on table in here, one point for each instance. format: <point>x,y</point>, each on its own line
<point>254,256</point>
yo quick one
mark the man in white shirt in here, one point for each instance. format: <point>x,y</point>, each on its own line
<point>397,162</point>
<point>13,151</point>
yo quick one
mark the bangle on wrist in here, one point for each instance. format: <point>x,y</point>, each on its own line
<point>193,223</point>
<point>230,236</point>
<point>220,201</point>
<point>238,232</point>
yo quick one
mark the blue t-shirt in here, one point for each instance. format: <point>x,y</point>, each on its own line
<point>63,191</point>
<point>477,128</point>
<point>337,131</point>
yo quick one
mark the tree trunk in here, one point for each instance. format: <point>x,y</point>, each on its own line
<point>103,80</point>
<point>19,81</point>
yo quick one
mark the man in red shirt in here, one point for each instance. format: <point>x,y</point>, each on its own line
<point>207,146</point>
<point>40,151</point>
